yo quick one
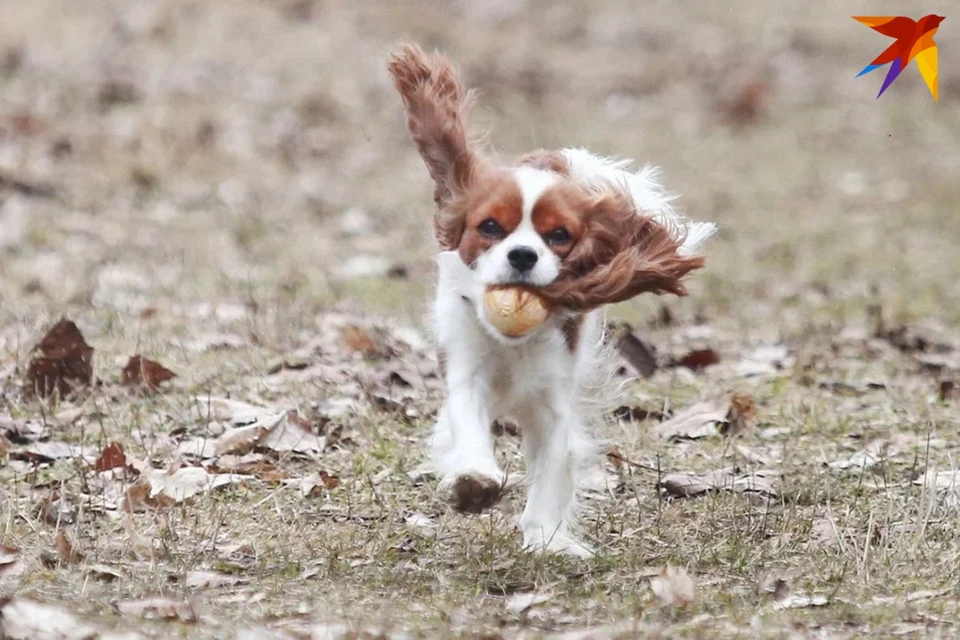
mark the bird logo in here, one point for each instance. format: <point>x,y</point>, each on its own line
<point>914,39</point>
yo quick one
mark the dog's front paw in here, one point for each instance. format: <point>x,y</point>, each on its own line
<point>535,541</point>
<point>472,491</point>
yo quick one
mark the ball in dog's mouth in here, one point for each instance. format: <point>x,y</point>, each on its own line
<point>514,311</point>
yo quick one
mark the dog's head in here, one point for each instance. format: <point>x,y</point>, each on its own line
<point>531,224</point>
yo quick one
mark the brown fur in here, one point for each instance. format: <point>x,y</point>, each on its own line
<point>571,329</point>
<point>621,255</point>
<point>547,160</point>
<point>501,200</point>
<point>436,106</point>
<point>615,252</point>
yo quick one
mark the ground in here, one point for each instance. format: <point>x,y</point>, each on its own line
<point>226,188</point>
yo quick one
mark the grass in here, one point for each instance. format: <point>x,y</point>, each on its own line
<point>205,225</point>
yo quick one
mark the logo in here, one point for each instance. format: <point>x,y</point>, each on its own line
<point>914,39</point>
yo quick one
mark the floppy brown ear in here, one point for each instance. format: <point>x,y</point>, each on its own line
<point>436,106</point>
<point>621,254</point>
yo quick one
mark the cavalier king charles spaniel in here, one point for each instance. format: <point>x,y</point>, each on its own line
<point>576,230</point>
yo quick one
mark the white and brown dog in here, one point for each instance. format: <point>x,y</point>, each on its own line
<point>581,231</point>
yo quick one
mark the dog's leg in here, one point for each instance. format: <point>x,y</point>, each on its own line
<point>462,447</point>
<point>553,445</point>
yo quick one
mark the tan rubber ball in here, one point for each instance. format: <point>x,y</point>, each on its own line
<point>513,311</point>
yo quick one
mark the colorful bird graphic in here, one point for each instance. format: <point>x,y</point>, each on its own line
<point>914,40</point>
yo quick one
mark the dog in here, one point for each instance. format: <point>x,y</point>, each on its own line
<point>579,230</point>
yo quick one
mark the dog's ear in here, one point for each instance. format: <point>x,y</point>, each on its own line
<point>621,254</point>
<point>436,106</point>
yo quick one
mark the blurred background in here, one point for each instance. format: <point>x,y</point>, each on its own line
<point>207,162</point>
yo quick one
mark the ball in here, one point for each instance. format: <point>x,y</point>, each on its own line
<point>514,311</point>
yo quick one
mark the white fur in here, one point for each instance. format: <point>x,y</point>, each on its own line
<point>592,171</point>
<point>493,267</point>
<point>537,382</point>
<point>535,379</point>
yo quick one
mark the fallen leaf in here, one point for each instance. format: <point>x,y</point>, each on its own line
<point>781,590</point>
<point>698,359</point>
<point>162,608</point>
<point>62,363</point>
<point>949,391</point>
<point>626,413</point>
<point>520,603</point>
<point>292,433</point>
<point>361,340</point>
<point>309,485</point>
<point>186,482</point>
<point>65,550</point>
<point>640,354</point>
<point>209,580</point>
<point>112,457</point>
<point>103,572</point>
<point>197,448</point>
<point>22,619</point>
<point>765,360</point>
<point>56,510</point>
<point>686,485</point>
<point>673,587</point>
<point>21,431</point>
<point>8,557</point>
<point>698,421</point>
<point>420,521</point>
<point>142,373</point>
<point>915,596</point>
<point>877,450</point>
<point>48,451</point>
<point>240,440</point>
<point>743,409</point>
<point>800,601</point>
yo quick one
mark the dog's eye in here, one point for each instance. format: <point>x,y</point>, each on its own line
<point>558,236</point>
<point>491,229</point>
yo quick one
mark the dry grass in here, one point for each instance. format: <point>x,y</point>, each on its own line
<point>217,168</point>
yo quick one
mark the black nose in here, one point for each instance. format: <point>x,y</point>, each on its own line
<point>522,258</point>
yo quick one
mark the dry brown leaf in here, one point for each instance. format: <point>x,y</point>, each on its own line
<point>949,391</point>
<point>112,457</point>
<point>162,608</point>
<point>362,341</point>
<point>743,410</point>
<point>687,485</point>
<point>310,485</point>
<point>142,373</point>
<point>698,359</point>
<point>65,550</point>
<point>673,587</point>
<point>640,354</point>
<point>136,497</point>
<point>22,619</point>
<point>699,421</point>
<point>56,510</point>
<point>239,441</point>
<point>8,557</point>
<point>62,363</point>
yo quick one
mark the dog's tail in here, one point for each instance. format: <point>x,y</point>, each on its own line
<point>436,106</point>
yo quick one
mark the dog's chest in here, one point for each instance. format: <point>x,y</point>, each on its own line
<point>517,374</point>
